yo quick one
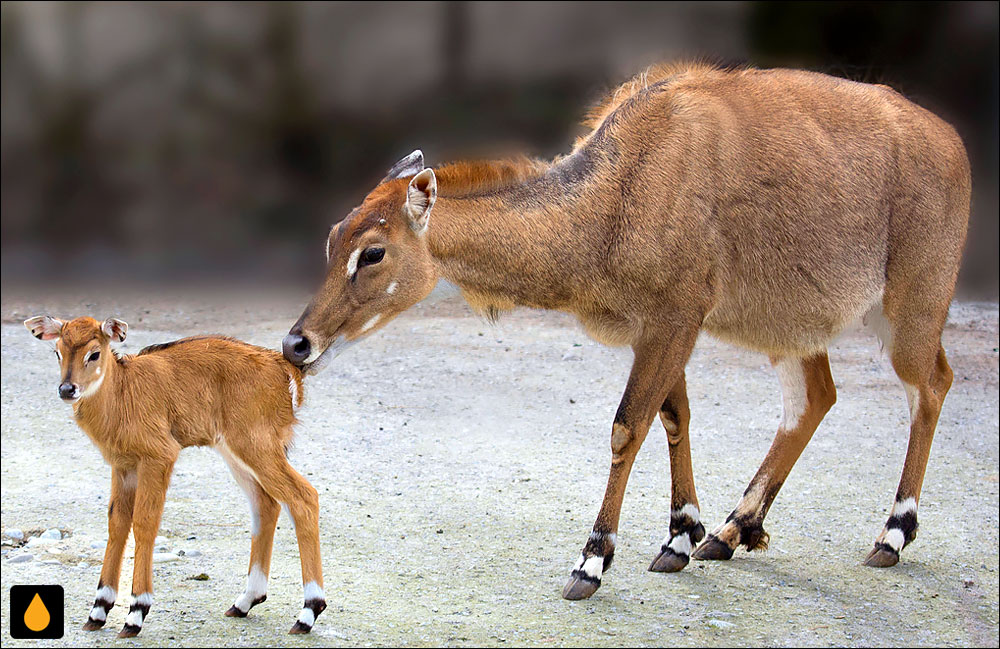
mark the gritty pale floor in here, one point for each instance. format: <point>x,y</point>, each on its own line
<point>460,466</point>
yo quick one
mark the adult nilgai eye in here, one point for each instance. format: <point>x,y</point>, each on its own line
<point>372,256</point>
<point>93,357</point>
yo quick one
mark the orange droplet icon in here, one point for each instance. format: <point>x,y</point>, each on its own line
<point>36,617</point>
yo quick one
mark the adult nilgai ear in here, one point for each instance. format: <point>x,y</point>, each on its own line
<point>115,329</point>
<point>407,166</point>
<point>420,197</point>
<point>44,327</point>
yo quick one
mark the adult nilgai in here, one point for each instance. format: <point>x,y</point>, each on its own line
<point>770,208</point>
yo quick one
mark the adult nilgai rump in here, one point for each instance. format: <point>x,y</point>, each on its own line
<point>770,208</point>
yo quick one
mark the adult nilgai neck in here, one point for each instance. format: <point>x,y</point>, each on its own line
<point>531,236</point>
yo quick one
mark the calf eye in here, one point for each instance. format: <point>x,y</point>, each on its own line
<point>93,357</point>
<point>372,256</point>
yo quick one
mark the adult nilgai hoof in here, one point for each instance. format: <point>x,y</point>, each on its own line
<point>92,625</point>
<point>129,631</point>
<point>235,612</point>
<point>882,557</point>
<point>713,550</point>
<point>580,586</point>
<point>299,628</point>
<point>668,561</point>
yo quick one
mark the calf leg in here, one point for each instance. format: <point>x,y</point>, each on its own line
<point>264,512</point>
<point>657,367</point>
<point>154,478</point>
<point>285,485</point>
<point>123,483</point>
<point>808,393</point>
<point>686,529</point>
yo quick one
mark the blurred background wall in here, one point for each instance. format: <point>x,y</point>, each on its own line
<point>190,140</point>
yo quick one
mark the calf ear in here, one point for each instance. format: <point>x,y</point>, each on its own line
<point>115,329</point>
<point>420,197</point>
<point>44,327</point>
<point>407,166</point>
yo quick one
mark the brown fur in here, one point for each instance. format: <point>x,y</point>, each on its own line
<point>201,391</point>
<point>770,208</point>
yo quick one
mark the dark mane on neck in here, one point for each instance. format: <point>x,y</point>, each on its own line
<point>478,177</point>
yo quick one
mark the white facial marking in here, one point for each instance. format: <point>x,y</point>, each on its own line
<point>793,391</point>
<point>328,243</point>
<point>313,591</point>
<point>912,398</point>
<point>322,360</point>
<point>894,538</point>
<point>92,388</point>
<point>352,263</point>
<point>97,371</point>
<point>593,567</point>
<point>681,544</point>
<point>904,507</point>
<point>392,288</point>
<point>307,617</point>
<point>691,511</point>
<point>371,322</point>
<point>256,588</point>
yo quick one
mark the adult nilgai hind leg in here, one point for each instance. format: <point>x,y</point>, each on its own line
<point>686,530</point>
<point>808,393</point>
<point>657,368</point>
<point>927,378</point>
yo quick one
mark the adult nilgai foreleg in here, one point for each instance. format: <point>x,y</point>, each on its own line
<point>686,529</point>
<point>808,393</point>
<point>657,367</point>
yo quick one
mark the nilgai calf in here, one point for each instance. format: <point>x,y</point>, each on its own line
<point>769,208</point>
<point>141,410</point>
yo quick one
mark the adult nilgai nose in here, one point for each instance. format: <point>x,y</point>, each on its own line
<point>296,348</point>
<point>66,390</point>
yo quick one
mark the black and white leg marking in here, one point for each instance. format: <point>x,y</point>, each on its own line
<point>136,614</point>
<point>686,531</point>
<point>103,602</point>
<point>899,531</point>
<point>315,603</point>
<point>594,561</point>
<point>255,593</point>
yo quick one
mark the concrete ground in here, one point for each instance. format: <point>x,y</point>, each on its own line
<point>460,467</point>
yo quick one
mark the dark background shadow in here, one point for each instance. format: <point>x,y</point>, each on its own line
<point>207,140</point>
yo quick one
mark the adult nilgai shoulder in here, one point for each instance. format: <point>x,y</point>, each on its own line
<point>770,208</point>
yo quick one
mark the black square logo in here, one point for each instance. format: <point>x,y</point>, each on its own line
<point>36,612</point>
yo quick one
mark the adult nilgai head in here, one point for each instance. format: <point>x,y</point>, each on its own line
<point>378,265</point>
<point>83,349</point>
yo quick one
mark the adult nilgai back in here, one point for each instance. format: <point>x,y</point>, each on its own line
<point>768,207</point>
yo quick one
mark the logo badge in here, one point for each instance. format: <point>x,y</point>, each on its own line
<point>36,612</point>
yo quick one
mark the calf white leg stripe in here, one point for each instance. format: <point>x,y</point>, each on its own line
<point>681,544</point>
<point>904,507</point>
<point>307,617</point>
<point>98,614</point>
<point>107,594</point>
<point>579,562</point>
<point>313,591</point>
<point>691,511</point>
<point>894,538</point>
<point>144,599</point>
<point>256,588</point>
<point>593,567</point>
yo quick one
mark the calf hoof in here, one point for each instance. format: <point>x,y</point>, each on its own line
<point>93,625</point>
<point>299,628</point>
<point>669,561</point>
<point>129,631</point>
<point>882,556</point>
<point>580,586</point>
<point>235,612</point>
<point>713,550</point>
